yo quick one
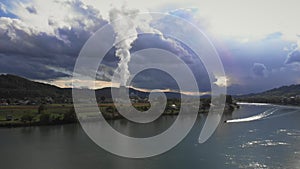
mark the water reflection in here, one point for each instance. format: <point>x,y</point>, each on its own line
<point>271,143</point>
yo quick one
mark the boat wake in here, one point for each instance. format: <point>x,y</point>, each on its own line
<point>260,116</point>
<point>283,114</point>
<point>253,104</point>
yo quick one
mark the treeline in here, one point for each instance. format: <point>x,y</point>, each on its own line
<point>271,99</point>
<point>41,116</point>
<point>288,95</point>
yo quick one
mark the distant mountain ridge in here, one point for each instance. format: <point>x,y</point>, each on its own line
<point>284,91</point>
<point>285,94</point>
<point>12,86</point>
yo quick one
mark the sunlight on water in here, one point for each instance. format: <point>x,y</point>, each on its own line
<point>255,165</point>
<point>277,146</point>
<point>292,133</point>
<point>270,143</point>
<point>264,143</point>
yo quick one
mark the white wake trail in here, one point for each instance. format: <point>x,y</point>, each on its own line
<point>283,114</point>
<point>253,118</point>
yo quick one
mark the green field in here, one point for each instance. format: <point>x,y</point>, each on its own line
<point>17,114</point>
<point>24,115</point>
<point>51,114</point>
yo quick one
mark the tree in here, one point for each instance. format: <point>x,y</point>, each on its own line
<point>145,108</point>
<point>102,99</point>
<point>229,99</point>
<point>27,118</point>
<point>41,109</point>
<point>45,118</point>
<point>109,109</point>
<point>70,116</point>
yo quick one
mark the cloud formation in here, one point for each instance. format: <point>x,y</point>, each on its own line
<point>34,50</point>
<point>31,9</point>
<point>294,55</point>
<point>259,70</point>
<point>3,8</point>
<point>44,45</point>
<point>41,40</point>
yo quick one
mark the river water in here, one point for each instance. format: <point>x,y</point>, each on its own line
<point>256,136</point>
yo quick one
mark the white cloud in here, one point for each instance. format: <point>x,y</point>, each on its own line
<point>10,27</point>
<point>251,20</point>
<point>53,14</point>
<point>90,84</point>
<point>245,21</point>
<point>50,18</point>
<point>222,81</point>
<point>3,8</point>
<point>294,54</point>
<point>43,37</point>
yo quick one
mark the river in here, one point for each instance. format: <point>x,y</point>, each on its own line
<point>256,136</point>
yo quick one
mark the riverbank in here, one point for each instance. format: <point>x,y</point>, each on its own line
<point>274,104</point>
<point>59,114</point>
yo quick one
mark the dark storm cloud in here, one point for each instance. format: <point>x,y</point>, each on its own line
<point>145,41</point>
<point>18,42</point>
<point>154,79</point>
<point>259,70</point>
<point>239,58</point>
<point>30,69</point>
<point>158,79</point>
<point>28,52</point>
<point>42,55</point>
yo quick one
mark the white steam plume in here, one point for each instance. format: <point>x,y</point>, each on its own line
<point>127,22</point>
<point>122,27</point>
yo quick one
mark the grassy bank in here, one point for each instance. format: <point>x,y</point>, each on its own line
<point>54,114</point>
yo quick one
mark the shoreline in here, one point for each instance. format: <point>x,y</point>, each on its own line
<point>269,104</point>
<point>229,108</point>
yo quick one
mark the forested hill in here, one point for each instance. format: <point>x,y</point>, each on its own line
<point>15,89</point>
<point>284,94</point>
<point>12,86</point>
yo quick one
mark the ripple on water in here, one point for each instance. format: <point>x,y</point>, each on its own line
<point>292,132</point>
<point>264,143</point>
<point>252,131</point>
<point>255,165</point>
<point>244,162</point>
<point>281,131</point>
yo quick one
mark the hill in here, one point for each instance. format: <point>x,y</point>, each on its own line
<point>12,86</point>
<point>16,89</point>
<point>285,95</point>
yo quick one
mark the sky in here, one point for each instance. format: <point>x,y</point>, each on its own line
<point>258,41</point>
